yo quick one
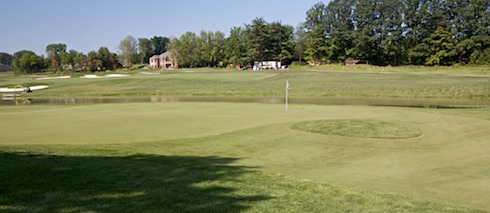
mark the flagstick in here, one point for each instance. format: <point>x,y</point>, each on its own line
<point>287,94</point>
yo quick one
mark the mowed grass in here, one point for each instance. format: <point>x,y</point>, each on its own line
<point>222,157</point>
<point>267,84</point>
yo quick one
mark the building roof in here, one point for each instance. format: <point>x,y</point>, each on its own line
<point>163,55</point>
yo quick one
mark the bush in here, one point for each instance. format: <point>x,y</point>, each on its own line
<point>481,57</point>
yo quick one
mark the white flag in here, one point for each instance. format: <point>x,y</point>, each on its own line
<point>287,84</point>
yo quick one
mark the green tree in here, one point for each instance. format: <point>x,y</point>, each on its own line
<point>281,42</point>
<point>211,48</point>
<point>93,61</point>
<point>364,46</point>
<point>300,42</point>
<point>80,61</point>
<point>26,61</point>
<point>235,47</point>
<point>186,50</point>
<point>267,42</point>
<point>108,59</point>
<point>317,32</point>
<point>68,59</point>
<point>481,52</point>
<point>481,57</point>
<point>173,48</point>
<point>340,30</point>
<point>6,59</point>
<point>442,48</point>
<point>419,54</point>
<point>159,44</point>
<point>146,49</point>
<point>150,47</point>
<point>464,50</point>
<point>256,38</point>
<point>392,30</point>
<point>128,51</point>
<point>55,53</point>
<point>205,50</point>
<point>367,35</point>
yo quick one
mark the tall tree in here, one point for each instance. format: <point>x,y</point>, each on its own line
<point>212,48</point>
<point>391,33</point>
<point>80,61</point>
<point>108,59</point>
<point>150,47</point>
<point>269,41</point>
<point>186,50</point>
<point>68,59</point>
<point>256,37</point>
<point>340,30</point>
<point>146,49</point>
<point>6,59</point>
<point>26,61</point>
<point>441,48</point>
<point>280,42</point>
<point>173,48</point>
<point>235,50</point>
<point>93,61</point>
<point>317,33</point>
<point>300,42</point>
<point>55,54</point>
<point>128,51</point>
<point>160,44</point>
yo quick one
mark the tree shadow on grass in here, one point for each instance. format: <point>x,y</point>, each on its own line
<point>141,183</point>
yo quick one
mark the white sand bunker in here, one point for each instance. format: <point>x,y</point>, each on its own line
<point>105,76</point>
<point>150,73</point>
<point>23,89</point>
<point>50,78</point>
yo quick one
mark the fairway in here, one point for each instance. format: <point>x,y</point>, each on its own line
<point>312,84</point>
<point>446,161</point>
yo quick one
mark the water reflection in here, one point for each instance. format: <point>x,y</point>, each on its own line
<point>402,102</point>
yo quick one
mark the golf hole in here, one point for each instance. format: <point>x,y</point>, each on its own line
<point>360,128</point>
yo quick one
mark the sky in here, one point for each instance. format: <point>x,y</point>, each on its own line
<point>86,25</point>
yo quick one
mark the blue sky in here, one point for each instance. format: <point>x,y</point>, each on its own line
<point>86,25</point>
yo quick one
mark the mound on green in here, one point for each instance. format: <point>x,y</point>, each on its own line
<point>360,128</point>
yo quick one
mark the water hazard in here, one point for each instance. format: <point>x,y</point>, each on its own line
<point>401,102</point>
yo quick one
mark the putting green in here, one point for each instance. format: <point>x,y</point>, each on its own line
<point>360,128</point>
<point>450,163</point>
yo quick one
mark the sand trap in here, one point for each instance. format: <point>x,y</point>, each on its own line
<point>105,76</point>
<point>12,89</point>
<point>22,89</point>
<point>49,78</point>
<point>150,73</point>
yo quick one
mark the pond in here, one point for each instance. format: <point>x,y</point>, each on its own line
<point>401,102</point>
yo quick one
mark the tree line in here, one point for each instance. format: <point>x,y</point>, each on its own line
<point>59,58</point>
<point>384,32</point>
<point>258,41</point>
<point>399,32</point>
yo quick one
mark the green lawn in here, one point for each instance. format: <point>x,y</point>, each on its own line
<point>230,157</point>
<point>250,157</point>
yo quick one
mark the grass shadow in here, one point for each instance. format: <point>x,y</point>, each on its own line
<point>139,183</point>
